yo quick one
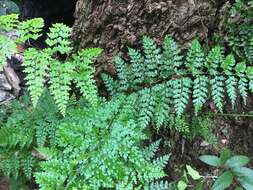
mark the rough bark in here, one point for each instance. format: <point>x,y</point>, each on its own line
<point>116,24</point>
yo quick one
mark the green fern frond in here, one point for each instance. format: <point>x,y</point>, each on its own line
<point>84,74</point>
<point>152,59</point>
<point>146,107</point>
<point>36,65</point>
<point>110,84</point>
<point>60,79</point>
<point>158,185</point>
<point>149,152</point>
<point>171,58</point>
<point>181,94</point>
<point>217,91</point>
<point>123,73</point>
<point>200,92</point>
<point>249,73</point>
<point>243,81</point>
<point>30,29</point>
<point>8,22</point>
<point>59,38</point>
<point>214,60</point>
<point>231,81</point>
<point>195,58</point>
<point>137,69</point>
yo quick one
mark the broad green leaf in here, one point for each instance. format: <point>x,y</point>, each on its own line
<point>193,173</point>
<point>181,185</point>
<point>243,171</point>
<point>223,182</point>
<point>237,161</point>
<point>225,155</point>
<point>211,160</point>
<point>246,182</point>
<point>238,188</point>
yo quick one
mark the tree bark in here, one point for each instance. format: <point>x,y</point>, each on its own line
<point>115,24</point>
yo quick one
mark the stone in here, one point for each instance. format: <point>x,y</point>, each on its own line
<point>4,84</point>
<point>5,97</point>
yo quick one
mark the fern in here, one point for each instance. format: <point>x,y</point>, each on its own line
<point>58,39</point>
<point>100,149</point>
<point>60,83</point>
<point>30,29</point>
<point>24,130</point>
<point>171,58</point>
<point>231,81</point>
<point>137,72</point>
<point>152,59</point>
<point>36,67</point>
<point>214,61</point>
<point>243,81</point>
<point>195,61</point>
<point>181,94</point>
<point>249,73</point>
<point>123,73</point>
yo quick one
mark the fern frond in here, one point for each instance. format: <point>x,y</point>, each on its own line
<point>181,94</point>
<point>231,81</point>
<point>152,59</point>
<point>123,73</point>
<point>146,107</point>
<point>200,92</point>
<point>137,69</point>
<point>243,81</point>
<point>163,103</point>
<point>249,73</point>
<point>195,58</point>
<point>30,29</point>
<point>158,185</point>
<point>60,83</point>
<point>84,74</point>
<point>171,58</point>
<point>59,38</point>
<point>110,84</point>
<point>36,66</point>
<point>217,91</point>
<point>8,22</point>
<point>214,60</point>
<point>149,152</point>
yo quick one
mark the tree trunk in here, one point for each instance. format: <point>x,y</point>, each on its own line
<point>115,24</point>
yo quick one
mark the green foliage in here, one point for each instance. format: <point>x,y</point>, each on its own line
<point>168,83</point>
<point>43,66</point>
<point>21,132</point>
<point>232,167</point>
<point>190,177</point>
<point>240,30</point>
<point>100,148</point>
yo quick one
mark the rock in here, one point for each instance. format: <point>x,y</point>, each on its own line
<point>7,7</point>
<point>13,79</point>
<point>4,84</point>
<point>5,97</point>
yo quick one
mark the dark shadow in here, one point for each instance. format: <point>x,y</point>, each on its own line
<point>52,11</point>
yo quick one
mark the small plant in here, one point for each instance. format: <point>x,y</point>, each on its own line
<point>191,178</point>
<point>233,171</point>
<point>45,65</point>
<point>99,148</point>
